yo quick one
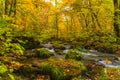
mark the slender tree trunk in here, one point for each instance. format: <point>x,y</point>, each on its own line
<point>117,18</point>
<point>11,7</point>
<point>56,22</point>
<point>6,7</point>
<point>14,7</point>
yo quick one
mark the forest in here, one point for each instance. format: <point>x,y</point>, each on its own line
<point>59,39</point>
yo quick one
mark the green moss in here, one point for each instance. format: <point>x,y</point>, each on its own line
<point>26,70</point>
<point>106,47</point>
<point>43,53</point>
<point>82,50</point>
<point>95,70</point>
<point>73,54</point>
<point>61,69</point>
<point>59,46</point>
<point>104,77</point>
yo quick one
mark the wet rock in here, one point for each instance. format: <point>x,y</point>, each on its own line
<point>116,59</point>
<point>50,48</point>
<point>60,52</point>
<point>35,65</point>
<point>118,51</point>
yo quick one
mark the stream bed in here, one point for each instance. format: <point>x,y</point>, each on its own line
<point>107,60</point>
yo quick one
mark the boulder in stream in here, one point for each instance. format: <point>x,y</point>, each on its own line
<point>43,53</point>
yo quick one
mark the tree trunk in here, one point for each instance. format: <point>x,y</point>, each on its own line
<point>14,7</point>
<point>56,22</point>
<point>6,7</point>
<point>117,18</point>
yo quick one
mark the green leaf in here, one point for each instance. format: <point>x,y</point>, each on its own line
<point>11,76</point>
<point>3,69</point>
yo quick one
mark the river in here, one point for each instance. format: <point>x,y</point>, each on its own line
<point>108,60</point>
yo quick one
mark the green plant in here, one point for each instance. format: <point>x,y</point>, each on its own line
<point>4,73</point>
<point>104,77</point>
<point>16,48</point>
<point>6,37</point>
<point>82,50</point>
<point>77,79</point>
<point>11,76</point>
<point>3,68</point>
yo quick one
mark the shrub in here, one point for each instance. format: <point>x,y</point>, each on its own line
<point>27,42</point>
<point>14,48</point>
<point>5,73</point>
<point>3,69</point>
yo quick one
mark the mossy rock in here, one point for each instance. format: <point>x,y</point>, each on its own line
<point>26,70</point>
<point>73,54</point>
<point>59,46</point>
<point>95,70</point>
<point>106,47</point>
<point>29,54</point>
<point>60,52</point>
<point>43,53</point>
<point>61,69</point>
<point>56,69</point>
<point>110,48</point>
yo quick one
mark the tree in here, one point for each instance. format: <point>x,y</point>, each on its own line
<point>56,21</point>
<point>117,18</point>
<point>10,7</point>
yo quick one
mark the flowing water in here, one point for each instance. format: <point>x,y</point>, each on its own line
<point>108,60</point>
